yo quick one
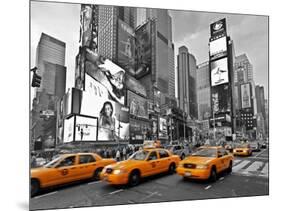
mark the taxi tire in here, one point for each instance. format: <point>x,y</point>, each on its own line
<point>35,187</point>
<point>229,169</point>
<point>134,178</point>
<point>213,175</point>
<point>96,175</point>
<point>172,168</point>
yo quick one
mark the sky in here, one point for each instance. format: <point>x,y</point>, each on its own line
<point>249,33</point>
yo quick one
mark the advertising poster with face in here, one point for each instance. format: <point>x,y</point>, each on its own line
<point>111,76</point>
<point>219,72</point>
<point>143,50</point>
<point>126,47</point>
<point>68,130</point>
<point>221,99</point>
<point>85,129</point>
<point>138,105</point>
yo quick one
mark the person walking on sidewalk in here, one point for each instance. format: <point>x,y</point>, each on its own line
<point>118,155</point>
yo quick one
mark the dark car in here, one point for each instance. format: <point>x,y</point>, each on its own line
<point>263,145</point>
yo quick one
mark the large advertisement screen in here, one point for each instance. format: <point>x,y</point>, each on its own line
<point>143,50</point>
<point>218,48</point>
<point>110,76</point>
<point>135,85</point>
<point>85,129</point>
<point>218,27</point>
<point>163,130</point>
<point>126,47</point>
<point>245,95</point>
<point>221,99</point>
<point>219,72</point>
<point>138,129</point>
<point>68,130</point>
<point>137,104</point>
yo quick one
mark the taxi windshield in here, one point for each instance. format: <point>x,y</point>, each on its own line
<point>52,163</point>
<point>140,155</point>
<point>243,146</point>
<point>205,153</point>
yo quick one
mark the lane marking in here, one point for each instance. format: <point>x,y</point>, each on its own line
<point>209,186</point>
<point>260,153</point>
<point>264,171</point>
<point>252,168</point>
<point>90,183</point>
<point>47,194</point>
<point>117,191</point>
<point>240,165</point>
<point>236,161</point>
<point>221,178</point>
<point>150,195</point>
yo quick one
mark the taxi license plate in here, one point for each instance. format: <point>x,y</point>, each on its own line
<point>187,174</point>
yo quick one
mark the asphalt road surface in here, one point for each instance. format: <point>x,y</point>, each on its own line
<point>249,178</point>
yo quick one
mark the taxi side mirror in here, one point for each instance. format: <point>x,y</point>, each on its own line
<point>219,155</point>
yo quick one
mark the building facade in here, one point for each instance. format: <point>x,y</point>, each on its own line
<point>187,88</point>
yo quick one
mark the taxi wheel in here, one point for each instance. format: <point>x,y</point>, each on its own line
<point>213,175</point>
<point>35,186</point>
<point>134,178</point>
<point>172,168</point>
<point>229,169</point>
<point>96,175</point>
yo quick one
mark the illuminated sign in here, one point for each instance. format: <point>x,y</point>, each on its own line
<point>218,27</point>
<point>219,72</point>
<point>245,95</point>
<point>218,48</point>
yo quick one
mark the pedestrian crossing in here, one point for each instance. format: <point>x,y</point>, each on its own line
<point>250,168</point>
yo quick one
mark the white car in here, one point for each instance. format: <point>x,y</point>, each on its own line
<point>180,150</point>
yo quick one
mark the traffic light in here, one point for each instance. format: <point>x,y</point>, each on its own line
<point>36,80</point>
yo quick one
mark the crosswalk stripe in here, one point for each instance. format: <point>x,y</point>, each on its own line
<point>240,166</point>
<point>253,168</point>
<point>236,162</point>
<point>264,171</point>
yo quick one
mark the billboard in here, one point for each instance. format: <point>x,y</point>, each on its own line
<point>221,99</point>
<point>126,47</point>
<point>138,129</point>
<point>143,50</point>
<point>245,95</point>
<point>137,104</point>
<point>218,27</point>
<point>218,48</point>
<point>163,130</point>
<point>110,76</point>
<point>219,72</point>
<point>86,129</point>
<point>68,130</point>
<point>135,85</point>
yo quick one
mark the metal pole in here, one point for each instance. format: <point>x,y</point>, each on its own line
<point>214,125</point>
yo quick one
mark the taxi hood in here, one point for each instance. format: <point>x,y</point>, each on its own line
<point>124,164</point>
<point>197,160</point>
<point>35,171</point>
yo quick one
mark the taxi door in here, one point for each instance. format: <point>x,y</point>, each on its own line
<point>164,159</point>
<point>152,164</point>
<point>223,159</point>
<point>86,165</point>
<point>68,170</point>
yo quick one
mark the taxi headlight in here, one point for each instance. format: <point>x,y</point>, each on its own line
<point>118,171</point>
<point>201,166</point>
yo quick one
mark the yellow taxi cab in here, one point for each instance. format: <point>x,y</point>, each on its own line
<point>143,163</point>
<point>67,168</point>
<point>206,163</point>
<point>243,149</point>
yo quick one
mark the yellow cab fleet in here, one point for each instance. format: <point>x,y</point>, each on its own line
<point>243,150</point>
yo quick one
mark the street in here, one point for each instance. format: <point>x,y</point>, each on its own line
<point>249,177</point>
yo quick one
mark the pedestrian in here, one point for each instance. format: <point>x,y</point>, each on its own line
<point>118,155</point>
<point>124,154</point>
<point>33,160</point>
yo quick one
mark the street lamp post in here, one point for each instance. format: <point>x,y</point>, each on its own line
<point>214,123</point>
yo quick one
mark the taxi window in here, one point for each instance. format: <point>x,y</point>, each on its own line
<point>69,161</point>
<point>163,154</point>
<point>223,152</point>
<point>152,156</point>
<point>86,159</point>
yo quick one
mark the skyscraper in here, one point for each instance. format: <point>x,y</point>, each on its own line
<point>50,60</point>
<point>50,50</point>
<point>203,91</point>
<point>187,89</point>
